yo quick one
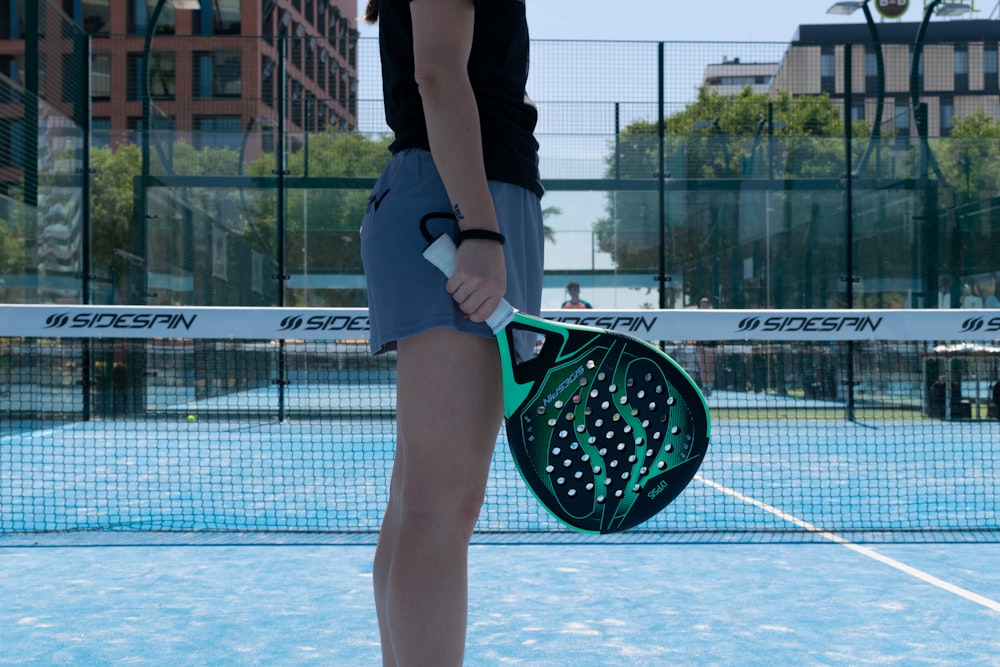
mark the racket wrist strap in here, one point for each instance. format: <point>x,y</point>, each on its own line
<point>479,234</point>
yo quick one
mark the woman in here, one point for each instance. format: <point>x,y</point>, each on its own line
<point>465,162</point>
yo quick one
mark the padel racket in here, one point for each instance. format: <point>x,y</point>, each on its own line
<point>605,429</point>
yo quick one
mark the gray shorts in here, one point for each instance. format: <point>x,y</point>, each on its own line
<point>406,293</point>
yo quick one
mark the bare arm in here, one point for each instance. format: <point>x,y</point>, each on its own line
<point>442,42</point>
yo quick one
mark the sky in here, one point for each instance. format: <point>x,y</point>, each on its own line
<point>670,20</point>
<point>696,20</point>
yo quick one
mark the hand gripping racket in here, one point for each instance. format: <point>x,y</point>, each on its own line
<point>605,429</point>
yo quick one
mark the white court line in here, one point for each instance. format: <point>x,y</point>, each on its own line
<point>864,551</point>
<point>10,439</point>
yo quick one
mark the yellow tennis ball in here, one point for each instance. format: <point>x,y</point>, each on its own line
<point>192,418</point>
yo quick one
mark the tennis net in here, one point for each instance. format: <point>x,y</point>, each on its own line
<point>876,425</point>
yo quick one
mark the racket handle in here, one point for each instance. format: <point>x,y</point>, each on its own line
<point>441,253</point>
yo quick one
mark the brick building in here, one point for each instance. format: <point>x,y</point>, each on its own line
<point>211,75</point>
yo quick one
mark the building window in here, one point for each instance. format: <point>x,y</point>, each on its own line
<point>216,74</point>
<point>134,134</point>
<point>331,27</point>
<point>219,17</point>
<point>858,111</point>
<point>334,79</point>
<point>71,8</point>
<point>267,17</point>
<point>296,103</point>
<point>11,141</point>
<point>162,77</point>
<point>136,87</point>
<point>100,76</point>
<point>321,116</point>
<point>961,57</point>
<point>947,113</point>
<point>162,135</point>
<point>297,44</point>
<point>267,67</point>
<point>96,17</point>
<point>73,79</point>
<point>901,121</point>
<point>827,70</point>
<point>324,58</point>
<point>217,132</point>
<point>990,67</point>
<point>162,83</point>
<point>11,20</point>
<point>311,58</point>
<point>740,81</point>
<point>310,123</point>
<point>139,12</point>
<point>100,132</point>
<point>10,68</point>
<point>871,71</point>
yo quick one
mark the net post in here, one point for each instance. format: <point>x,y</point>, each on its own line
<point>849,412</point>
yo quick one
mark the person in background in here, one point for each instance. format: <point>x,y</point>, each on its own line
<point>574,301</point>
<point>454,74</point>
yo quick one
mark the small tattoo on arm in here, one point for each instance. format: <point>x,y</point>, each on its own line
<point>458,214</point>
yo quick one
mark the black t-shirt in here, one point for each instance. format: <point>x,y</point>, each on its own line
<point>498,70</point>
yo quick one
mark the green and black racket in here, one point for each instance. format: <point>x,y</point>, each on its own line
<point>605,429</point>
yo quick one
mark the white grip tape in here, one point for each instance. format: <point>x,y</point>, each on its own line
<point>441,253</point>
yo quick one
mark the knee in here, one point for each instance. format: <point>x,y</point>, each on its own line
<point>454,516</point>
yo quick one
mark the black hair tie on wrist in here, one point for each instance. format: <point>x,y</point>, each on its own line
<point>480,234</point>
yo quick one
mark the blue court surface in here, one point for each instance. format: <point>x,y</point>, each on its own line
<point>545,605</point>
<point>109,556</point>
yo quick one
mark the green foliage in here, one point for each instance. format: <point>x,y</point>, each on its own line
<point>18,233</point>
<point>725,234</point>
<point>11,247</point>
<point>715,137</point>
<point>112,205</point>
<point>323,225</point>
<point>331,217</point>
<point>719,136</point>
<point>345,155</point>
<point>321,222</point>
<point>968,157</point>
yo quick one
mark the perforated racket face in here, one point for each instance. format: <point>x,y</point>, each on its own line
<point>607,430</point>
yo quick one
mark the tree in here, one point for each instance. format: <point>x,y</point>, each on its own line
<point>967,160</point>
<point>11,250</point>
<point>967,157</point>
<point>323,224</point>
<point>713,143</point>
<point>548,212</point>
<point>112,209</point>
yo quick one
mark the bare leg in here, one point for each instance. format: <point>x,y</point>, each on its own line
<point>383,559</point>
<point>449,412</point>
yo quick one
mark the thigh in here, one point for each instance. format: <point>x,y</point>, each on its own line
<point>450,410</point>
